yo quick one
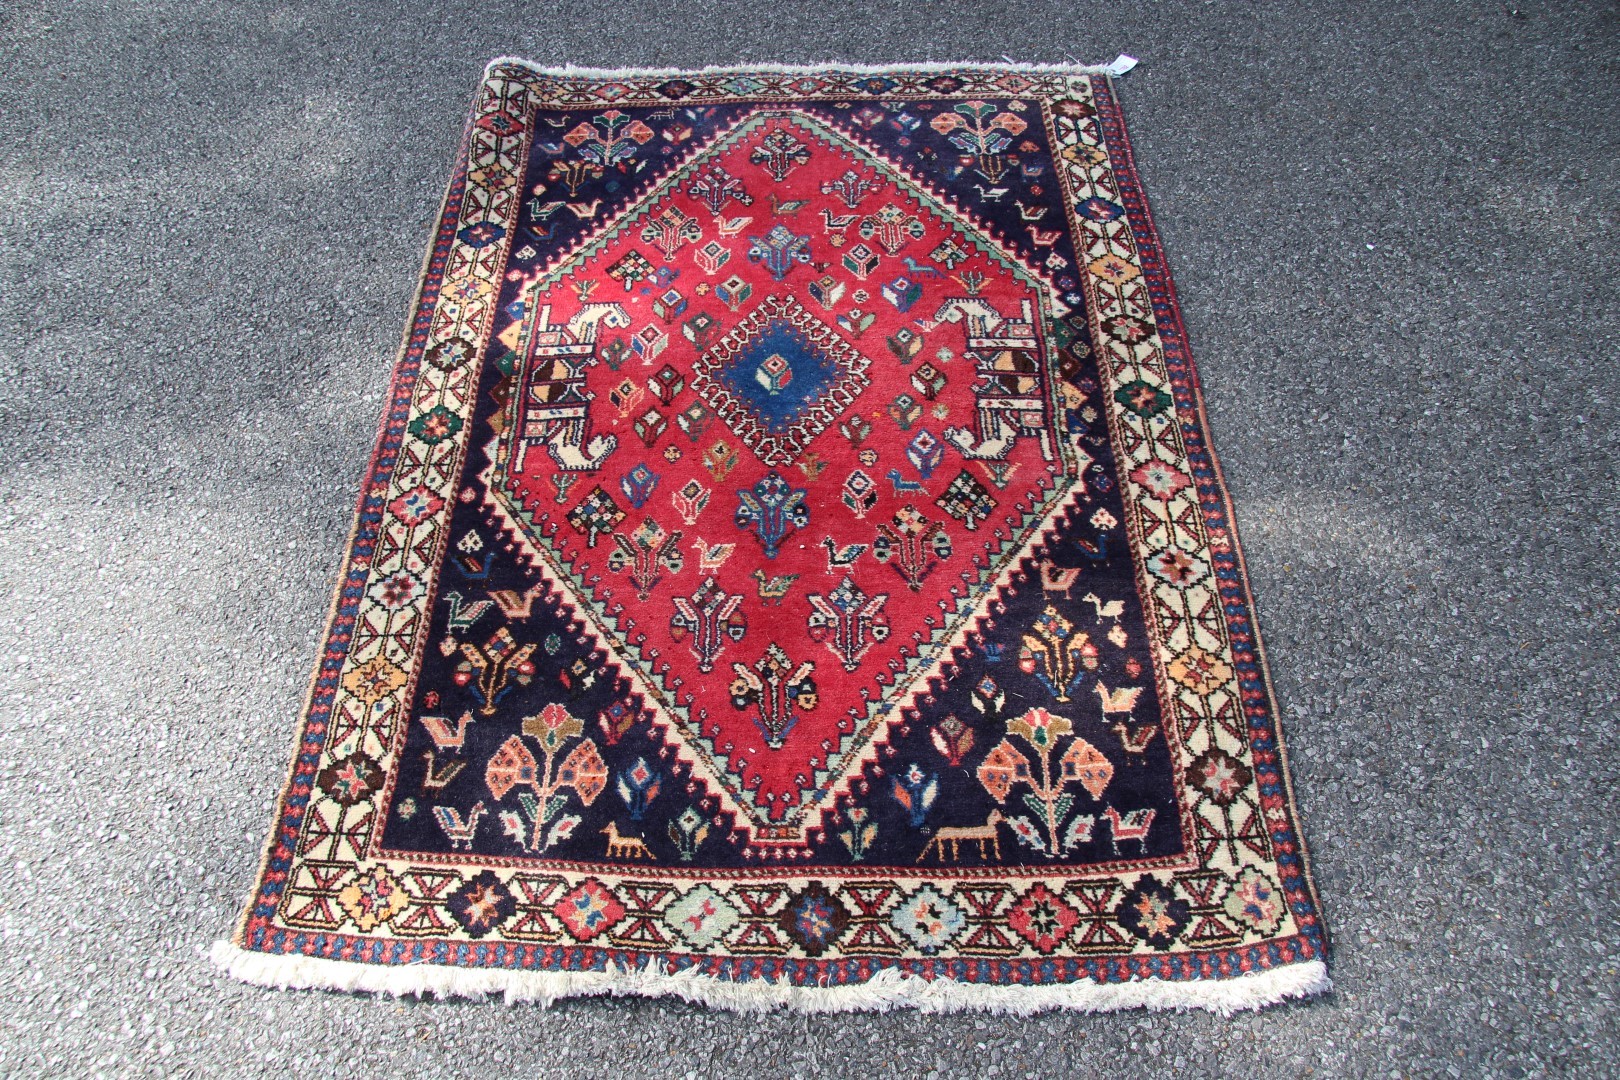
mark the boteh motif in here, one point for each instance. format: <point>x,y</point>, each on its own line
<point>798,545</point>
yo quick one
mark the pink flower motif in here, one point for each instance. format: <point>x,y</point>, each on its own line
<point>1162,481</point>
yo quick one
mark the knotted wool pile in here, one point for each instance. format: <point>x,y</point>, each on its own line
<point>793,570</point>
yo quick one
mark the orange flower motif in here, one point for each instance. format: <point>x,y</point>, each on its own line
<point>1200,671</point>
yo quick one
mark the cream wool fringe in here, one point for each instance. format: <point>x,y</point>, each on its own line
<point>1118,67</point>
<point>887,990</point>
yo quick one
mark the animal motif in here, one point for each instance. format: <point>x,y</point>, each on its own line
<point>585,211</point>
<point>439,776</point>
<point>1044,237</point>
<point>444,736</point>
<point>1111,610</point>
<point>775,586</point>
<point>711,557</point>
<point>459,830</point>
<point>784,207</point>
<point>555,404</point>
<point>947,842</point>
<point>991,194</point>
<point>1057,579</point>
<point>1010,403</point>
<point>901,483</point>
<point>732,226</point>
<point>1135,739</point>
<point>1121,699</point>
<point>517,605</point>
<point>626,847</point>
<point>920,270</point>
<point>811,465</point>
<point>1030,213</point>
<point>462,614</point>
<point>839,558</point>
<point>1133,826</point>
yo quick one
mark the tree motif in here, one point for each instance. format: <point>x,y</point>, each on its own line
<point>773,687</point>
<point>848,621</point>
<point>710,616</point>
<point>1056,654</point>
<point>487,669</point>
<point>609,139</point>
<point>772,508</point>
<point>548,782</point>
<point>645,553</point>
<point>1006,767</point>
<point>914,544</point>
<point>976,129</point>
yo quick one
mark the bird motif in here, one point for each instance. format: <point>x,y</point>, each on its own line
<point>1111,610</point>
<point>841,558</point>
<point>1030,213</point>
<point>459,830</point>
<point>836,222</point>
<point>1135,739</point>
<point>545,210</point>
<point>1095,552</point>
<point>517,605</point>
<point>1044,237</point>
<point>1057,579</point>
<point>585,211</point>
<point>463,614</point>
<point>444,736</point>
<point>784,207</point>
<point>772,588</point>
<point>991,194</point>
<point>811,465</point>
<point>1121,699</point>
<point>901,483</point>
<point>439,776</point>
<point>733,225</point>
<point>711,557</point>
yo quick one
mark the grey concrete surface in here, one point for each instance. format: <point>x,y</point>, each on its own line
<point>1394,231</point>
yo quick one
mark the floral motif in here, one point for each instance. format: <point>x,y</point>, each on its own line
<point>929,919</point>
<point>1153,912</point>
<point>589,909</point>
<point>372,899</point>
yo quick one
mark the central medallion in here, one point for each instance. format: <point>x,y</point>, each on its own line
<point>779,379</point>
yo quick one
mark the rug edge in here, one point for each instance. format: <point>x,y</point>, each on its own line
<point>571,71</point>
<point>886,991</point>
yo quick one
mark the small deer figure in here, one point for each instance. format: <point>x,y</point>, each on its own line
<point>628,847</point>
<point>947,842</point>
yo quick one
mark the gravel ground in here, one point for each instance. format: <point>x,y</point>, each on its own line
<point>1394,230</point>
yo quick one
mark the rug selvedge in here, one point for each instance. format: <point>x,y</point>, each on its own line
<point>501,767</point>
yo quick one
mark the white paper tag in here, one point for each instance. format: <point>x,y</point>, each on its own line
<point>1122,63</point>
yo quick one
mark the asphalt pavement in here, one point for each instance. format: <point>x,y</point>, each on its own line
<point>1393,228</point>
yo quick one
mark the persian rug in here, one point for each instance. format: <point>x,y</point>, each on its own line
<point>793,570</point>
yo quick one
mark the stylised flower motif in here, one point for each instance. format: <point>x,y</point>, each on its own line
<point>1042,918</point>
<point>1027,833</point>
<point>451,353</point>
<point>813,918</point>
<point>1177,567</point>
<point>588,909</point>
<point>1255,902</point>
<point>1127,328</point>
<point>1099,209</point>
<point>553,727</point>
<point>1143,398</point>
<point>1162,481</point>
<point>1220,776</point>
<point>416,506</point>
<point>1040,728</point>
<point>1152,911</point>
<point>1199,671</point>
<point>372,899</point>
<point>435,425</point>
<point>374,680</point>
<point>481,234</point>
<point>928,919</point>
<point>350,780</point>
<point>1115,269</point>
<point>702,916</point>
<point>396,591</point>
<point>482,904</point>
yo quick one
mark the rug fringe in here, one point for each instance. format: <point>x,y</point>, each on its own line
<point>569,70</point>
<point>887,990</point>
